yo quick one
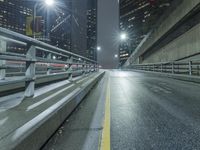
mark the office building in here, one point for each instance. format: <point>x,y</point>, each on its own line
<point>70,25</point>
<point>13,15</point>
<point>92,30</point>
<point>84,28</point>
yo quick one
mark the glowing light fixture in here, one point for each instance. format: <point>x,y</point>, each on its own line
<point>98,48</point>
<point>49,2</point>
<point>123,36</point>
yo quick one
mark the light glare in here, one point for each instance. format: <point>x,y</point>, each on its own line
<point>98,48</point>
<point>123,36</point>
<point>49,2</point>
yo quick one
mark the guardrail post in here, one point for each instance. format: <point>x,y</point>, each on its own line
<point>30,72</point>
<point>93,68</point>
<point>97,67</point>
<point>2,62</point>
<point>190,67</point>
<point>90,68</point>
<point>161,67</point>
<point>77,67</point>
<point>83,68</point>
<point>70,69</point>
<point>172,67</point>
<point>87,68</point>
<point>49,56</point>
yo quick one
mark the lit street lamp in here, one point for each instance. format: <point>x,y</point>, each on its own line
<point>123,36</point>
<point>98,48</point>
<point>116,56</point>
<point>48,3</point>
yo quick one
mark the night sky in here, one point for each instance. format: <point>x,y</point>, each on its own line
<point>108,23</point>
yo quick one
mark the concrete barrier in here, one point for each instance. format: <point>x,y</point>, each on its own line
<point>34,133</point>
<point>189,78</point>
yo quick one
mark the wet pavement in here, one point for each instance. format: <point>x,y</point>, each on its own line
<point>147,113</point>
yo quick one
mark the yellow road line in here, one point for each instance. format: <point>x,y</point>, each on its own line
<point>105,141</point>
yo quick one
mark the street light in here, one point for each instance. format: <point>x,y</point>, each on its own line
<point>98,48</point>
<point>116,56</point>
<point>48,3</point>
<point>123,36</point>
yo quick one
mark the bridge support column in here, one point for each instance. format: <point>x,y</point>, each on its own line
<point>2,62</point>
<point>30,72</point>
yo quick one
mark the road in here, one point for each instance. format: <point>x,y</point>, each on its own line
<point>146,112</point>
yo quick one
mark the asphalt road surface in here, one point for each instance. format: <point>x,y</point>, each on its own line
<point>146,113</point>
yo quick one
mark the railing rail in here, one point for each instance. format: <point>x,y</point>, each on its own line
<point>186,67</point>
<point>36,58</point>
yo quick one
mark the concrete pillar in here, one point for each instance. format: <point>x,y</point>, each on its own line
<point>2,62</point>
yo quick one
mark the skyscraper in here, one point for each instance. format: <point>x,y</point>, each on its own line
<point>70,25</point>
<point>137,18</point>
<point>84,28</point>
<point>60,25</point>
<point>92,30</point>
<point>13,15</point>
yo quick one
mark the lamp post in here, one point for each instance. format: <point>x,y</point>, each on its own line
<point>48,3</point>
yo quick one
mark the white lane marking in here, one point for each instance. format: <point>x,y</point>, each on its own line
<point>47,98</point>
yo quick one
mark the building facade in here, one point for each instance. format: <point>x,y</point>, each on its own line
<point>92,30</point>
<point>60,25</point>
<point>84,28</point>
<point>13,15</point>
<point>71,25</point>
<point>137,18</point>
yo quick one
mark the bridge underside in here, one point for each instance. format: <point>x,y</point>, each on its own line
<point>176,38</point>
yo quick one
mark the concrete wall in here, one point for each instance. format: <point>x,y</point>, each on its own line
<point>181,11</point>
<point>180,47</point>
<point>184,46</point>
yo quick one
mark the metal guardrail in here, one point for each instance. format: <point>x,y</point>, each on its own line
<point>186,67</point>
<point>38,58</point>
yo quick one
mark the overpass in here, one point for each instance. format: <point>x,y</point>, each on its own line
<point>176,37</point>
<point>54,99</point>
